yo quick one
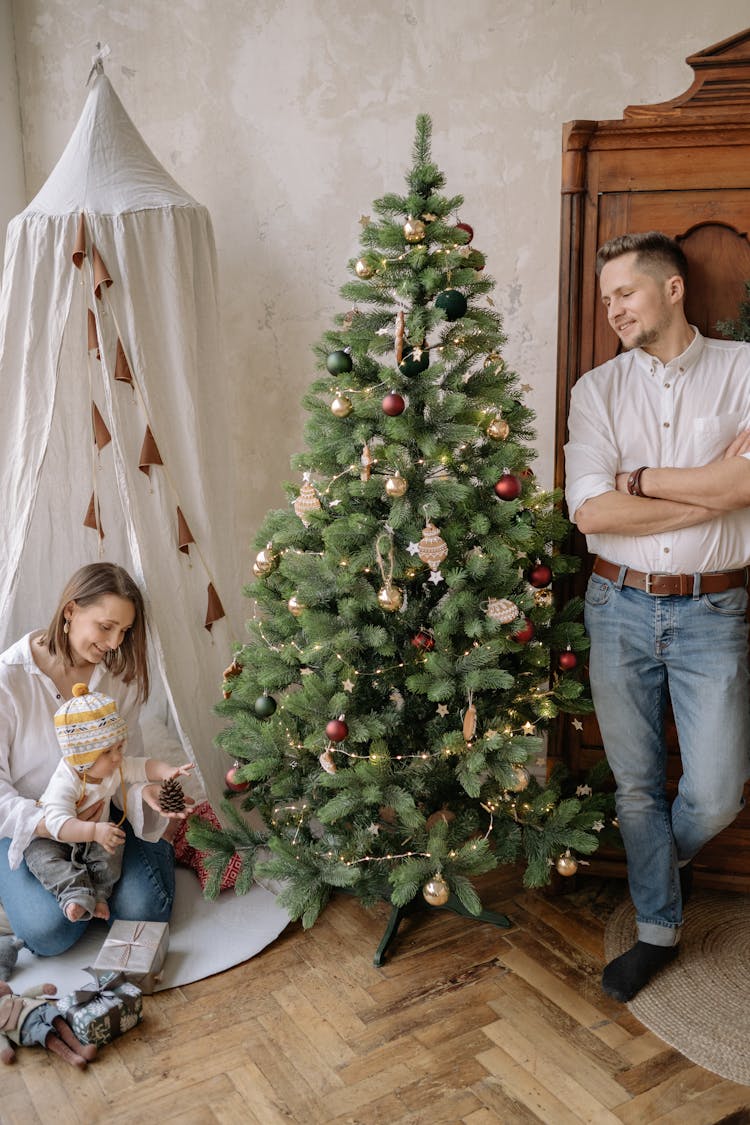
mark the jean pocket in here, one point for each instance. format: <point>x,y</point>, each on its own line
<point>730,603</point>
<point>598,590</point>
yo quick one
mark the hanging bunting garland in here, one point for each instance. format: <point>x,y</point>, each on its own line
<point>93,339</point>
<point>102,436</point>
<point>101,273</point>
<point>122,369</point>
<point>79,249</point>
<point>149,453</point>
<point>184,534</point>
<point>214,609</point>
<point>92,518</point>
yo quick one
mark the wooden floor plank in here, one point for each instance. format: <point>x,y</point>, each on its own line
<point>464,1022</point>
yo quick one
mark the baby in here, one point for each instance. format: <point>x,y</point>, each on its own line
<point>82,862</point>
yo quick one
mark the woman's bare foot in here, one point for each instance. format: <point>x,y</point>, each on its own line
<point>101,910</point>
<point>74,911</point>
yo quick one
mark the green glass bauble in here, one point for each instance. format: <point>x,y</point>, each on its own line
<point>265,705</point>
<point>338,363</point>
<point>412,364</point>
<point>453,304</point>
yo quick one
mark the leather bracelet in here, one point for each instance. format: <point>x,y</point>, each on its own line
<point>634,482</point>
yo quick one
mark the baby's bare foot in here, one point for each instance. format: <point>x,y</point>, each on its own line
<point>101,910</point>
<point>74,911</point>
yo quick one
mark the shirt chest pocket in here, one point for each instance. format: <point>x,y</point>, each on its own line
<point>712,435</point>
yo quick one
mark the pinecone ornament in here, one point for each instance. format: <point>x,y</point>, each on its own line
<point>171,796</point>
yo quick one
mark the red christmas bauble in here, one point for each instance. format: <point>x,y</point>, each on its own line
<point>393,404</point>
<point>337,730</point>
<point>232,783</point>
<point>540,576</point>
<point>508,487</point>
<point>525,634</point>
<point>465,226</point>
<point>567,660</point>
<point>423,640</point>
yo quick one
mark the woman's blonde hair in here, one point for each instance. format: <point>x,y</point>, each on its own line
<point>87,586</point>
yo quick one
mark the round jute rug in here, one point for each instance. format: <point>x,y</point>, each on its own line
<point>699,1004</point>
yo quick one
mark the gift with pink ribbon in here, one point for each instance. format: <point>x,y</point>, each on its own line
<point>137,950</point>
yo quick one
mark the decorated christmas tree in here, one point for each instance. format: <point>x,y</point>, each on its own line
<point>405,654</point>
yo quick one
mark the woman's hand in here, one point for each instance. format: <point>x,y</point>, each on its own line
<point>151,798</point>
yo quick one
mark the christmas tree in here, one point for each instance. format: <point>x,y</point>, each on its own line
<point>405,653</point>
<point>738,329</point>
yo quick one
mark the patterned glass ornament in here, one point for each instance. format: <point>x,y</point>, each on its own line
<point>306,502</point>
<point>502,610</point>
<point>432,549</point>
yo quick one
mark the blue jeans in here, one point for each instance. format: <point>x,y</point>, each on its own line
<point>145,892</point>
<point>693,651</point>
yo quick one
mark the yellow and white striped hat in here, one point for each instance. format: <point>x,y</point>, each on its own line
<point>88,724</point>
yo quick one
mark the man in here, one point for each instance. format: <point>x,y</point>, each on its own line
<point>658,479</point>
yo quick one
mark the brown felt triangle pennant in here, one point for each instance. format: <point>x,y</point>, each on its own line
<point>149,453</point>
<point>79,250</point>
<point>101,273</point>
<point>122,370</point>
<point>184,534</point>
<point>102,436</point>
<point>91,518</point>
<point>214,610</point>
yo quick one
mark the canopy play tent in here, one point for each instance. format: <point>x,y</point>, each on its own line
<point>114,432</point>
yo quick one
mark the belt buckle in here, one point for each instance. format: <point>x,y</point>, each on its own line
<point>649,579</point>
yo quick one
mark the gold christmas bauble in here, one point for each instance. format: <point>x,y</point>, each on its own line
<point>567,864</point>
<point>498,428</point>
<point>396,485</point>
<point>522,779</point>
<point>341,406</point>
<point>390,598</point>
<point>295,606</point>
<point>543,597</point>
<point>265,561</point>
<point>363,269</point>
<point>436,891</point>
<point>432,549</point>
<point>502,610</point>
<point>414,229</point>
<point>496,361</point>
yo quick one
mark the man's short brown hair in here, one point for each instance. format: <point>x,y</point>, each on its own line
<point>657,253</point>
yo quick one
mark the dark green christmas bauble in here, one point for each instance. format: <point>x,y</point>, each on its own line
<point>453,303</point>
<point>265,705</point>
<point>412,365</point>
<point>338,363</point>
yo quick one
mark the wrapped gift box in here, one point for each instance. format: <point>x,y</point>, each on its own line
<point>98,1014</point>
<point>137,950</point>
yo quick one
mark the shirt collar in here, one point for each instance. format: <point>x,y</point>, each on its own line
<point>681,363</point>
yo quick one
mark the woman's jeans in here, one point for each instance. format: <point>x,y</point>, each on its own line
<point>144,893</point>
<point>693,651</point>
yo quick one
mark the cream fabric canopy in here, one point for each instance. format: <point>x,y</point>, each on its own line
<point>114,430</point>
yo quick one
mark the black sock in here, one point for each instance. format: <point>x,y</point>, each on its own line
<point>629,972</point>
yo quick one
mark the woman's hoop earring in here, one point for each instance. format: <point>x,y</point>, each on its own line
<point>66,628</point>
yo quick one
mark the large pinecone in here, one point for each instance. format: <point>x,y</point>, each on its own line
<point>171,796</point>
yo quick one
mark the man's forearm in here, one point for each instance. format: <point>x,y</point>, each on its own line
<point>616,513</point>
<point>722,486</point>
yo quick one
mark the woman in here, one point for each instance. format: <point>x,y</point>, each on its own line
<point>98,636</point>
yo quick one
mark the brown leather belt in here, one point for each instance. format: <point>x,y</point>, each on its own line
<point>669,585</point>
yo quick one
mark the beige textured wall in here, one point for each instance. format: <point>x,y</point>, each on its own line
<point>12,192</point>
<point>287,117</point>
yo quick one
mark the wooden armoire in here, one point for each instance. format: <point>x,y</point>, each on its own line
<point>681,167</point>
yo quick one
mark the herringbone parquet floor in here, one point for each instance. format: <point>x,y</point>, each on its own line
<point>464,1023</point>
